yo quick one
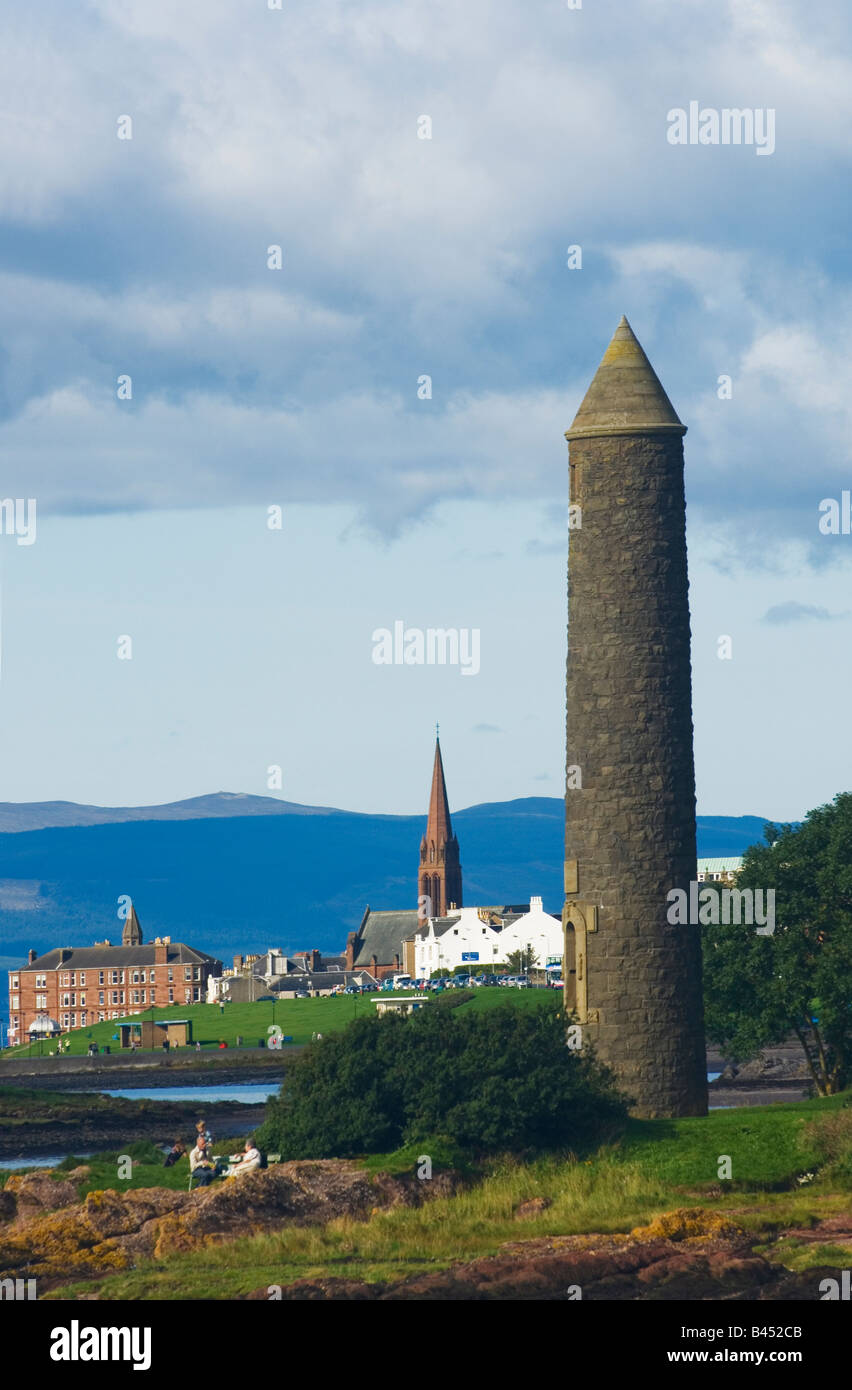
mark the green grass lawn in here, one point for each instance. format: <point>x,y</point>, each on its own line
<point>764,1142</point>
<point>297,1018</point>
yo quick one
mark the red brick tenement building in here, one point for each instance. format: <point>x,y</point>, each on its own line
<point>80,985</point>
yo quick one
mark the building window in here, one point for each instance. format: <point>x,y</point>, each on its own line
<point>14,982</point>
<point>100,997</point>
<point>41,1001</point>
<point>152,996</point>
<point>196,993</point>
<point>113,1014</point>
<point>187,972</point>
<point>82,998</point>
<point>101,1015</point>
<point>122,977</point>
<point>41,982</point>
<point>100,977</point>
<point>113,977</point>
<point>65,1021</point>
<point>134,997</point>
<point>16,1001</point>
<point>171,974</point>
<point>83,1020</point>
<point>122,997</point>
<point>136,977</point>
<point>114,999</point>
<point>66,978</point>
<point>171,996</point>
<point>66,1000</point>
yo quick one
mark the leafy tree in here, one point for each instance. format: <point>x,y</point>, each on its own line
<point>519,962</point>
<point>760,989</point>
<point>500,1079</point>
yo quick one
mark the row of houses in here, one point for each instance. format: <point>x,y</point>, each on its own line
<point>76,987</point>
<point>399,943</point>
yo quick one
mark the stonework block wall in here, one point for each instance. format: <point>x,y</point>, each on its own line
<point>631,824</point>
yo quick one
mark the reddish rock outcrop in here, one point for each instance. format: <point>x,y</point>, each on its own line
<point>56,1238</point>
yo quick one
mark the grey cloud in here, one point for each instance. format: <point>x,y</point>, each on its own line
<point>793,612</point>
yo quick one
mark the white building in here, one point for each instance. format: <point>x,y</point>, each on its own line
<point>537,929</point>
<point>717,870</point>
<point>469,937</point>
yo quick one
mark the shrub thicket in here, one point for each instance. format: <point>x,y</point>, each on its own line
<point>501,1079</point>
<point>829,1137</point>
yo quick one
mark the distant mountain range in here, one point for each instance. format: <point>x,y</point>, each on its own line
<point>233,873</point>
<point>43,815</point>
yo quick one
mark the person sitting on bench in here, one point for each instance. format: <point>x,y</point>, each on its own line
<point>202,1167</point>
<point>246,1162</point>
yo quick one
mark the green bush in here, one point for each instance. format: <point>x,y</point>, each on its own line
<point>497,1080</point>
<point>830,1138</point>
<point>451,1000</point>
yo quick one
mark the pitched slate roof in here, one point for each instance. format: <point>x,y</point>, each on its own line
<point>382,934</point>
<point>116,957</point>
<point>317,979</point>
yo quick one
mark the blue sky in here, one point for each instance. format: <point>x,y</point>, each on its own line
<point>404,257</point>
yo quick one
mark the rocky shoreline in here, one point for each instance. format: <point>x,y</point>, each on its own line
<point>776,1074</point>
<point>48,1234</point>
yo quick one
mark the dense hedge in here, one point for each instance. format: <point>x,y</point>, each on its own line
<point>501,1079</point>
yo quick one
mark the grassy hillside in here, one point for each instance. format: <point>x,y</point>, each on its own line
<point>299,1019</point>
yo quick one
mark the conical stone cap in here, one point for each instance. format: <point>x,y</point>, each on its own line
<point>626,395</point>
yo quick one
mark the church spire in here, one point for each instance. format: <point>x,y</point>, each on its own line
<point>132,932</point>
<point>439,881</point>
<point>438,827</point>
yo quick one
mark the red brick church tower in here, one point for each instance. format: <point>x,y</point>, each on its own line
<point>439,878</point>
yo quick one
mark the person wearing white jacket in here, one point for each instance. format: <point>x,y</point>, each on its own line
<point>246,1162</point>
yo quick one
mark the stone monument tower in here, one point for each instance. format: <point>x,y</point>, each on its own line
<point>630,798</point>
